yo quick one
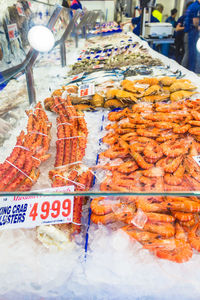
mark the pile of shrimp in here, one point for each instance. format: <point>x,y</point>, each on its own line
<point>152,148</point>
<point>166,226</point>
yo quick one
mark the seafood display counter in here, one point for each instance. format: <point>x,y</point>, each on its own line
<point>100,179</point>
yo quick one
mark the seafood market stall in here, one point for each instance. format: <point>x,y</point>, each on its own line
<point>100,178</point>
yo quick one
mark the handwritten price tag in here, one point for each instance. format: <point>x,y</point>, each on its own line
<point>13,32</point>
<point>31,211</point>
<point>86,90</point>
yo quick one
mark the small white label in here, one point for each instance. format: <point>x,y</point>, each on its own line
<point>20,10</point>
<point>78,76</point>
<point>86,90</point>
<point>31,211</point>
<point>98,66</point>
<point>197,159</point>
<point>13,32</point>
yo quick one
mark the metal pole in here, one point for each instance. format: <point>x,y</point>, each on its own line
<point>30,85</point>
<point>63,54</point>
<point>149,14</point>
<point>142,25</point>
<point>76,39</point>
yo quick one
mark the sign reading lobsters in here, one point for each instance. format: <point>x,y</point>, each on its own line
<point>31,211</point>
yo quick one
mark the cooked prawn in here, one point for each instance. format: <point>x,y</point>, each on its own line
<point>140,160</point>
<point>182,216</point>
<point>180,233</point>
<point>148,133</point>
<point>142,107</point>
<point>139,235</point>
<point>190,223</point>
<point>117,115</point>
<point>193,151</point>
<point>129,136</point>
<point>170,165</point>
<point>193,238</point>
<point>166,137</point>
<point>110,138</point>
<point>175,148</point>
<point>102,209</point>
<point>184,206</point>
<point>156,217</point>
<point>161,107</point>
<point>110,217</point>
<point>194,130</point>
<point>153,150</point>
<point>113,153</point>
<point>194,123</point>
<point>192,168</point>
<point>150,204</point>
<point>164,229</point>
<point>181,129</point>
<point>176,178</point>
<point>175,250</point>
<point>195,114</point>
<point>128,167</point>
<point>192,103</point>
<point>163,125</point>
<point>137,147</point>
<point>111,126</point>
<point>154,172</point>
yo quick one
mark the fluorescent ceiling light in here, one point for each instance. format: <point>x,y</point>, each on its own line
<point>41,38</point>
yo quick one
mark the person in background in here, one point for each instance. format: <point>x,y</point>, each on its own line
<point>172,18</point>
<point>136,22</point>
<point>166,49</point>
<point>157,13</point>
<point>66,4</point>
<point>76,4</point>
<point>27,21</point>
<point>119,8</point>
<point>14,17</point>
<point>26,7</point>
<point>179,36</point>
<point>191,29</point>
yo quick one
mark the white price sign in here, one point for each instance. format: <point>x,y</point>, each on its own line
<point>30,211</point>
<point>86,90</point>
<point>13,32</point>
<point>20,10</point>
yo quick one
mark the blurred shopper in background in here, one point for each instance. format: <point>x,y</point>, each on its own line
<point>119,10</point>
<point>66,4</point>
<point>27,23</point>
<point>76,4</point>
<point>191,29</point>
<point>157,13</point>
<point>172,18</point>
<point>136,23</point>
<point>168,49</point>
<point>179,36</point>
